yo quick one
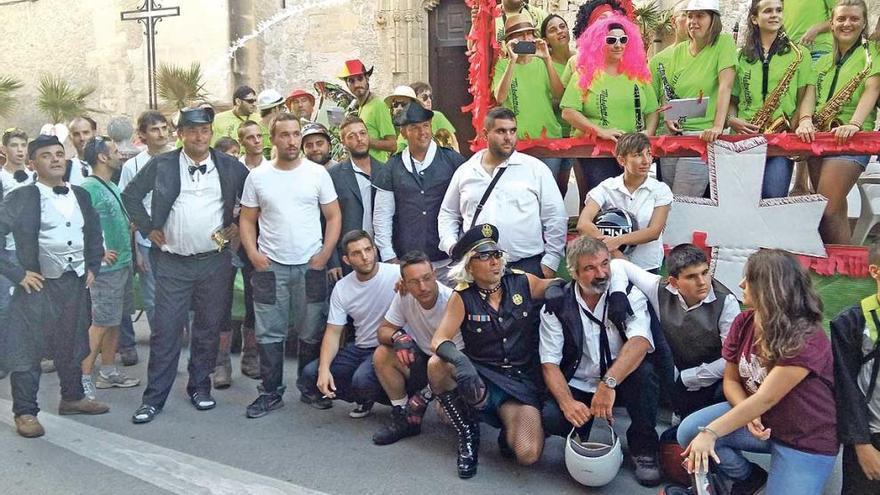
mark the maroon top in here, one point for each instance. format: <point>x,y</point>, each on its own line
<point>805,418</point>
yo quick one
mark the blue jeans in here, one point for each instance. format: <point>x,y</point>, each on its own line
<point>791,470</point>
<point>556,165</point>
<point>777,177</point>
<point>353,375</point>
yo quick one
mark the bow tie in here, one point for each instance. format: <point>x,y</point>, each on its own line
<point>201,169</point>
<point>20,175</point>
<point>61,190</point>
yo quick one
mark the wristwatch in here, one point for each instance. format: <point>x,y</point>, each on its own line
<point>609,381</point>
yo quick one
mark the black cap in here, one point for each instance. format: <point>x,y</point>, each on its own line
<point>482,238</point>
<point>193,116</point>
<point>414,114</point>
<point>41,141</point>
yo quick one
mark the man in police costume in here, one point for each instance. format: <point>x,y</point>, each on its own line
<point>410,189</point>
<point>195,191</point>
<point>496,378</point>
<point>59,248</point>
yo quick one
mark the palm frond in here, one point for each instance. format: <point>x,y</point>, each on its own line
<point>7,102</point>
<point>61,101</point>
<point>651,18</point>
<point>181,86</point>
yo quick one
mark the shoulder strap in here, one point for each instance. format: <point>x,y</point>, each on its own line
<point>118,201</point>
<point>486,196</point>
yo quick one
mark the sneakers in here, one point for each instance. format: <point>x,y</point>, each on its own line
<point>647,470</point>
<point>28,426</point>
<point>362,410</point>
<point>399,428</point>
<point>82,406</point>
<point>315,401</point>
<point>128,356</point>
<point>89,387</point>
<point>751,485</point>
<point>264,404</point>
<point>115,379</point>
<point>202,401</point>
<point>145,414</point>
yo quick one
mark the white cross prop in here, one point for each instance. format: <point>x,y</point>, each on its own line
<point>737,221</point>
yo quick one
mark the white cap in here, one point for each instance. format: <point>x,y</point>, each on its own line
<point>401,91</point>
<point>269,98</point>
<point>710,5</point>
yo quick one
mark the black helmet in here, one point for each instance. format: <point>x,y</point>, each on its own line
<point>614,222</point>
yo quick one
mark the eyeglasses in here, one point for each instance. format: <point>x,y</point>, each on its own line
<point>426,96</point>
<point>610,40</point>
<point>497,255</point>
<point>399,103</point>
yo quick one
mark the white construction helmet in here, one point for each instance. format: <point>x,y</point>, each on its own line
<point>593,463</point>
<point>710,5</point>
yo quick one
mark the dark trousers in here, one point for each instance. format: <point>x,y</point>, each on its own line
<point>661,358</point>
<point>685,402</point>
<point>50,322</point>
<point>185,284</point>
<point>638,393</point>
<point>353,374</point>
<point>854,480</point>
<point>532,265</point>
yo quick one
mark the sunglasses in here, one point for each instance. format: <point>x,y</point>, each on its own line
<point>497,255</point>
<point>249,100</point>
<point>399,103</point>
<point>610,40</point>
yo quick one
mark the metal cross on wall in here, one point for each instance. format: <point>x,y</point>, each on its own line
<point>149,13</point>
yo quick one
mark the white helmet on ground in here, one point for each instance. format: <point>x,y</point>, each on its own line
<point>593,463</point>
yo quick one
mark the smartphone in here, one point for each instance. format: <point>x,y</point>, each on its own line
<point>525,48</point>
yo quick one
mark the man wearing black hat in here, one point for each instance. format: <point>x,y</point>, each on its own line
<point>59,249</point>
<point>496,378</point>
<point>195,191</point>
<point>410,189</point>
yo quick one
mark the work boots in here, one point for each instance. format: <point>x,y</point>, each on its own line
<point>250,358</point>
<point>463,420</point>
<point>399,428</point>
<point>271,390</point>
<point>223,369</point>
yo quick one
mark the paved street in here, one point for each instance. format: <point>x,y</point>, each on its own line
<point>295,450</point>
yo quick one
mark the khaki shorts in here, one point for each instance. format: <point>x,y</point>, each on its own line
<point>112,297</point>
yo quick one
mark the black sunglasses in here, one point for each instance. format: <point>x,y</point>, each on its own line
<point>610,40</point>
<point>491,254</point>
<point>249,100</point>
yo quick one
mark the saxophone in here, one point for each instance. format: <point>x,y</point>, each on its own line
<point>762,118</point>
<point>826,118</point>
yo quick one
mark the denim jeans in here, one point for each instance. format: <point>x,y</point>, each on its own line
<point>353,375</point>
<point>556,165</point>
<point>777,177</point>
<point>291,292</point>
<point>791,470</point>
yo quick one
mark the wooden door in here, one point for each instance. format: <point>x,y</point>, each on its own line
<point>448,26</point>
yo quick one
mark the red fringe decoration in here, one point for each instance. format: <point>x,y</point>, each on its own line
<point>850,261</point>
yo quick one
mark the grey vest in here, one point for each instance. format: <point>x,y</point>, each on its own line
<point>692,335</point>
<point>61,241</point>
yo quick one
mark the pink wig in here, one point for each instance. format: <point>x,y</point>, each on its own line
<point>591,52</point>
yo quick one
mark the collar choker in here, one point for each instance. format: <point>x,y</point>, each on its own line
<point>484,293</point>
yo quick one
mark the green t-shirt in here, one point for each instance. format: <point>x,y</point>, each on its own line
<point>610,101</point>
<point>530,98</point>
<point>565,77</point>
<point>114,221</point>
<point>377,118</point>
<point>226,125</point>
<point>747,86</point>
<point>267,143</point>
<point>854,64</point>
<point>690,76</point>
<point>800,15</point>
<point>561,68</point>
<point>438,122</point>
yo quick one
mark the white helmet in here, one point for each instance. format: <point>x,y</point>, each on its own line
<point>593,463</point>
<point>710,5</point>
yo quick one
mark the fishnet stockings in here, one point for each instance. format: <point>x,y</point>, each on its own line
<point>525,434</point>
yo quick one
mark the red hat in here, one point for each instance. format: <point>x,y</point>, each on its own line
<point>353,68</point>
<point>296,93</point>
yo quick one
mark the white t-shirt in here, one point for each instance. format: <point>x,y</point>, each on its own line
<point>9,184</point>
<point>77,169</point>
<point>366,303</point>
<point>421,323</point>
<point>129,170</point>
<point>612,193</point>
<point>290,209</point>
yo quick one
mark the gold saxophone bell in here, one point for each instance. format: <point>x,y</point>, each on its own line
<point>778,126</point>
<point>219,239</point>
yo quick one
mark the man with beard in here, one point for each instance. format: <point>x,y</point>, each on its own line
<point>524,203</point>
<point>250,135</point>
<point>371,109</point>
<point>287,198</point>
<point>301,104</point>
<point>81,130</point>
<point>410,188</point>
<point>364,295</point>
<point>592,359</point>
<point>190,225</point>
<point>316,144</point>
<point>244,104</point>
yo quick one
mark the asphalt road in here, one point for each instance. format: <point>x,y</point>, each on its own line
<point>295,450</point>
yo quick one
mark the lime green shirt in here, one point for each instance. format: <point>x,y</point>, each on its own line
<point>560,70</point>
<point>610,101</point>
<point>747,87</point>
<point>691,75</point>
<point>824,69</point>
<point>530,98</point>
<point>438,122</point>
<point>800,15</point>
<point>565,77</point>
<point>226,125</point>
<point>377,118</point>
<point>267,143</point>
<point>114,221</point>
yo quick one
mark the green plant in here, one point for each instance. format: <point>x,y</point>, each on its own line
<point>653,21</point>
<point>181,86</point>
<point>61,100</point>
<point>7,102</point>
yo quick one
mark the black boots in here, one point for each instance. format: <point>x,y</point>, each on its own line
<point>463,419</point>
<point>399,428</point>
<point>271,371</point>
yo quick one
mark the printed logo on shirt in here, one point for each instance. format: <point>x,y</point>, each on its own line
<point>747,89</point>
<point>753,373</point>
<point>514,97</point>
<point>603,108</point>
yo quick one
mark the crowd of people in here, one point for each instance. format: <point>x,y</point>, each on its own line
<point>407,273</point>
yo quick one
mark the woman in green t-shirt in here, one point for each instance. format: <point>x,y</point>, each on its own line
<point>771,69</point>
<point>834,176</point>
<point>554,31</point>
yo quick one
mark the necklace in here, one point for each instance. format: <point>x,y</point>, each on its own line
<point>485,293</point>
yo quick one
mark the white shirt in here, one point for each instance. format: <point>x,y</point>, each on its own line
<point>366,188</point>
<point>623,272</point>
<point>612,193</point>
<point>588,373</point>
<point>420,323</point>
<point>525,205</point>
<point>366,303</point>
<point>76,171</point>
<point>197,212</point>
<point>264,162</point>
<point>290,209</point>
<point>129,170</point>
<point>9,184</point>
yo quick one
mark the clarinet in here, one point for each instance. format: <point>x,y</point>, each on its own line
<point>735,32</point>
<point>667,88</point>
<point>640,120</point>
